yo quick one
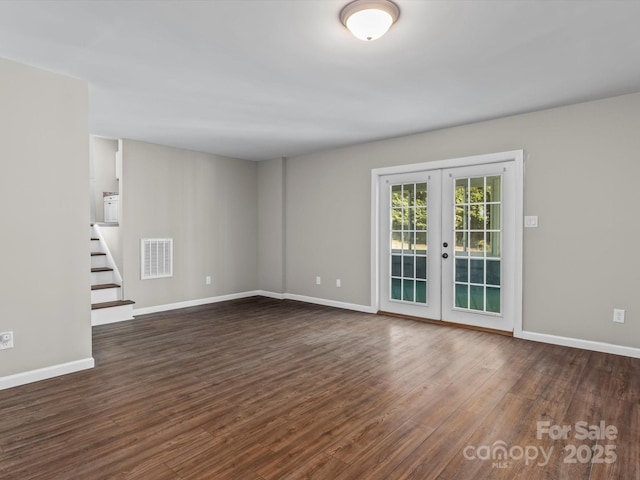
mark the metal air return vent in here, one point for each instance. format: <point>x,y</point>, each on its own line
<point>156,258</point>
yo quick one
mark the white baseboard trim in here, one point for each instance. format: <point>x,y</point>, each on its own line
<point>31,376</point>
<point>526,335</point>
<point>584,344</point>
<point>104,321</point>
<point>265,293</point>
<point>253,293</point>
<point>330,303</point>
<point>194,303</point>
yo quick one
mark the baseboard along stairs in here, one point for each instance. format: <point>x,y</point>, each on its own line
<point>107,302</point>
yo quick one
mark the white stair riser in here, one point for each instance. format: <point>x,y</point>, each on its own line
<point>103,316</point>
<point>101,277</point>
<point>105,295</point>
<point>95,246</point>
<point>98,261</point>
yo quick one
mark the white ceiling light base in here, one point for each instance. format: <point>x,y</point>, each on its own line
<point>369,19</point>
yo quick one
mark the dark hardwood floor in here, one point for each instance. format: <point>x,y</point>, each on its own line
<point>265,389</point>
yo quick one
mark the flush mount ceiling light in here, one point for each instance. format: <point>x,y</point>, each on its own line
<point>369,19</point>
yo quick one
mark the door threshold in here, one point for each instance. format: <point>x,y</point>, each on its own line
<point>446,324</point>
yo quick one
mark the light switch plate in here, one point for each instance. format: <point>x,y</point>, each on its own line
<point>531,221</point>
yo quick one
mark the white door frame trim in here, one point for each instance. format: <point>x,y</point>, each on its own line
<point>516,156</point>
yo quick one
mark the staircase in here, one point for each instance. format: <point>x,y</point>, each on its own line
<point>107,303</point>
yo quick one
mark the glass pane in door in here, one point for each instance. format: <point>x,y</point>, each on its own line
<point>408,256</point>
<point>477,252</point>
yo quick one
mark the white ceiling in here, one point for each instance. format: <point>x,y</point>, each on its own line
<point>260,79</point>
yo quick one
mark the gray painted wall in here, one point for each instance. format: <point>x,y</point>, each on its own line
<point>44,190</point>
<point>271,198</point>
<point>208,204</point>
<point>581,171</point>
<point>113,239</point>
<point>104,165</point>
<point>277,224</point>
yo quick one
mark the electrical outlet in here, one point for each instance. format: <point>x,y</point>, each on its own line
<point>6,340</point>
<point>618,315</point>
<point>207,280</point>
<point>318,280</point>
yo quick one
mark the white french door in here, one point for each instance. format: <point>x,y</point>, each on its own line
<point>447,244</point>
<point>410,254</point>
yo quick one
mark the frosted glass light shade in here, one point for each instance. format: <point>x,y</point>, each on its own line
<point>369,19</point>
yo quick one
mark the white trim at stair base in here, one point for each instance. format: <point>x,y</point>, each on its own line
<point>194,303</point>
<point>105,316</point>
<point>31,376</point>
<point>584,344</point>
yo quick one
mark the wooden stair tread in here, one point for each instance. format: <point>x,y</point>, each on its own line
<point>103,286</point>
<point>115,303</point>
<point>94,239</point>
<point>97,254</point>
<point>101,269</point>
